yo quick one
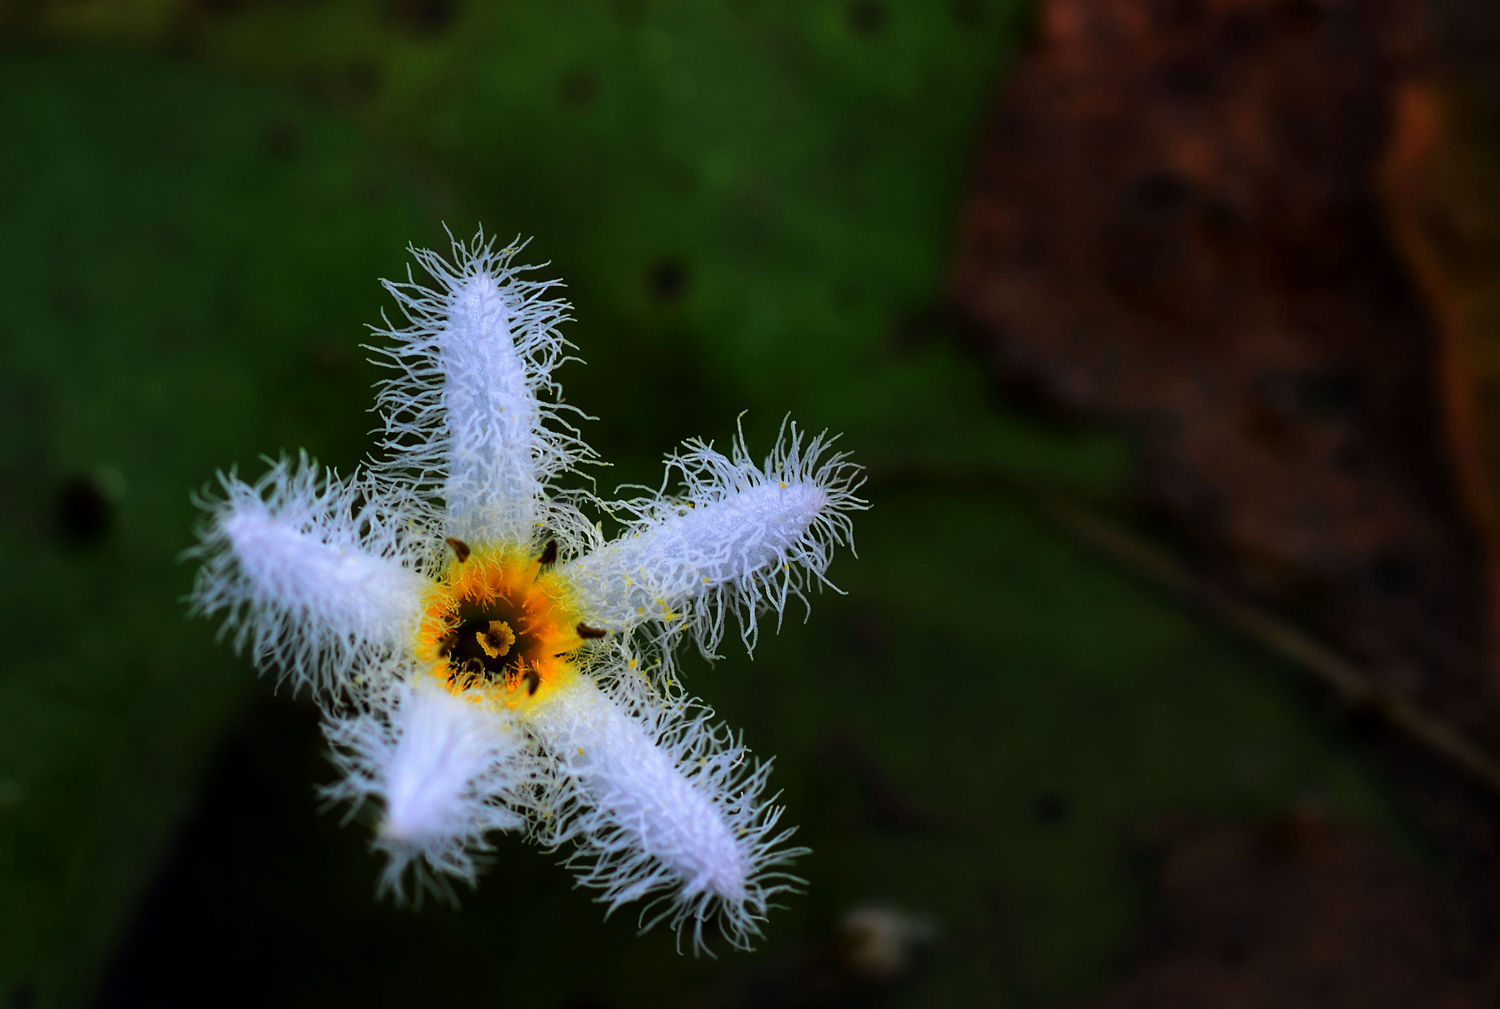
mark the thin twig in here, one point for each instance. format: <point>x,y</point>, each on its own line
<point>1279,637</point>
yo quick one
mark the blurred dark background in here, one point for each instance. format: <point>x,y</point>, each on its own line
<point>1168,330</point>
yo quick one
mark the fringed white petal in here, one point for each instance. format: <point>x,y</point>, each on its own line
<point>740,537</point>
<point>442,770</point>
<point>314,573</point>
<point>473,414</point>
<point>662,805</point>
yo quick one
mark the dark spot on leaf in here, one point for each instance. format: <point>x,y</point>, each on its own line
<point>374,191</point>
<point>666,280</point>
<point>1366,715</point>
<point>1050,808</point>
<point>1223,220</point>
<point>1393,574</point>
<point>219,7</point>
<point>1241,30</point>
<point>921,328</point>
<point>578,87</point>
<point>361,81</point>
<point>1295,11</point>
<point>1178,14</point>
<point>1319,395</point>
<point>82,511</point>
<point>969,13</point>
<point>866,17</point>
<point>1159,191</point>
<point>1331,393</point>
<point>351,85</point>
<point>422,17</point>
<point>1187,78</point>
<point>281,138</point>
<point>22,995</point>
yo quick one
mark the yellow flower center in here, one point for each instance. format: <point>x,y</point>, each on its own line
<point>499,625</point>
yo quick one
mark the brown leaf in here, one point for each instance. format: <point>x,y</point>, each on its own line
<point>1175,224</point>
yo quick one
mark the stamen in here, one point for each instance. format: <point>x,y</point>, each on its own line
<point>549,554</point>
<point>585,631</point>
<point>460,548</point>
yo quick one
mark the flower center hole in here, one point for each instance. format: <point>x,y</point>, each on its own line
<point>487,647</point>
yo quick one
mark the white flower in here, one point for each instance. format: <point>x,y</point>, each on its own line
<point>486,661</point>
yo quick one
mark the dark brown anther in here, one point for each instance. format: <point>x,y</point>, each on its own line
<point>585,631</point>
<point>549,554</point>
<point>460,548</point>
<point>533,680</point>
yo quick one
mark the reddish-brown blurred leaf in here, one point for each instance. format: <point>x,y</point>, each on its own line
<point>1297,911</point>
<point>1177,222</point>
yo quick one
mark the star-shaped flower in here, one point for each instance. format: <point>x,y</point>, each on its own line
<point>485,660</point>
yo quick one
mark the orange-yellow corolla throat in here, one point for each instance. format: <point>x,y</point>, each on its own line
<point>501,623</point>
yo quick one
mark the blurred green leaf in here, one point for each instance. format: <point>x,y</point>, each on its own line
<point>185,266</point>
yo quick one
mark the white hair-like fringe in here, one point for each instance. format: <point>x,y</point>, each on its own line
<point>315,575</point>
